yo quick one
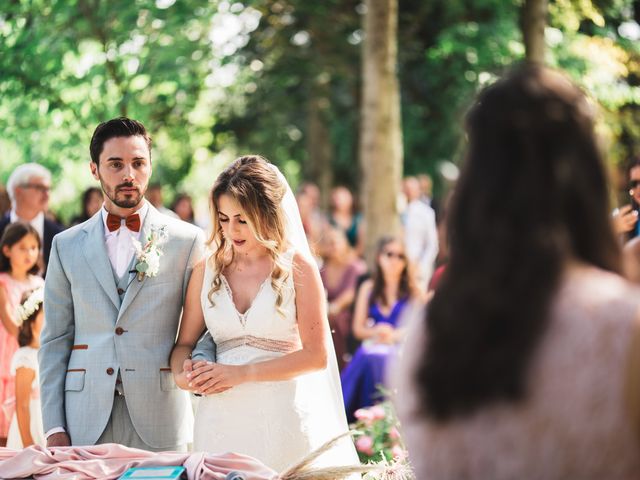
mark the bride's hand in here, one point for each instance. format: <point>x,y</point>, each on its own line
<point>209,378</point>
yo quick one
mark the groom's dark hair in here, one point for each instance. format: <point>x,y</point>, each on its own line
<point>116,127</point>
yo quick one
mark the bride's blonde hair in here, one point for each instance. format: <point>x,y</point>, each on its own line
<point>255,186</point>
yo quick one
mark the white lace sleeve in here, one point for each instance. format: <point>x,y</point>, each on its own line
<point>24,357</point>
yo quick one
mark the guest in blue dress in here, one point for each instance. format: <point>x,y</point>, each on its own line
<point>380,302</point>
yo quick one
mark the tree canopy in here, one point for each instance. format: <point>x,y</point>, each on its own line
<point>281,78</point>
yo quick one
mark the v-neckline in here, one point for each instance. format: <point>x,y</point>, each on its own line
<point>391,312</point>
<point>243,316</point>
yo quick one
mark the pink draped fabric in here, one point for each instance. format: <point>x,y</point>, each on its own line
<point>110,461</point>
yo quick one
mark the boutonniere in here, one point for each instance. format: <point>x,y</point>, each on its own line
<point>148,256</point>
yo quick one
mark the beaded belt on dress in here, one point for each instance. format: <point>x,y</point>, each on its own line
<point>268,344</point>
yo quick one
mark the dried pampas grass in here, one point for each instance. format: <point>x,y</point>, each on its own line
<point>304,470</point>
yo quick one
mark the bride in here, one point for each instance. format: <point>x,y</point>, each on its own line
<point>273,391</point>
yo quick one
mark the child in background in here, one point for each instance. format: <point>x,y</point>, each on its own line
<point>26,426</point>
<point>19,252</point>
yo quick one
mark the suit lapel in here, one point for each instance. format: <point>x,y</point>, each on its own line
<point>95,252</point>
<point>135,286</point>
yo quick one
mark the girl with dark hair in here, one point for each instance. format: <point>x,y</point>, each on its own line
<point>380,303</point>
<point>526,357</point>
<point>26,426</point>
<point>19,253</point>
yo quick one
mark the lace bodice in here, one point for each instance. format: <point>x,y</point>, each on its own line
<point>260,331</point>
<point>573,423</point>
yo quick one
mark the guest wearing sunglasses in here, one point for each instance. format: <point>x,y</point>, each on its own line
<point>625,218</point>
<point>380,303</point>
<point>631,227</point>
<point>28,187</point>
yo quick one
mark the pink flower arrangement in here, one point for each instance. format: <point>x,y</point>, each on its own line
<point>398,453</point>
<point>377,412</point>
<point>380,438</point>
<point>364,444</point>
<point>363,414</point>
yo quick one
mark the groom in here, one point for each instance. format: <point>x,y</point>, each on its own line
<point>112,316</point>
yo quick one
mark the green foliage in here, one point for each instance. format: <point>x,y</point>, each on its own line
<point>210,79</point>
<point>67,65</point>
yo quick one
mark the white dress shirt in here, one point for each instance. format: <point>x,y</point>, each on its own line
<point>421,239</point>
<point>119,243</point>
<point>37,222</point>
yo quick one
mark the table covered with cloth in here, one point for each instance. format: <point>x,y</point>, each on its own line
<point>110,461</point>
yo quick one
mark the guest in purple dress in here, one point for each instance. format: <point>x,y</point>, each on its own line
<point>380,303</point>
<point>340,272</point>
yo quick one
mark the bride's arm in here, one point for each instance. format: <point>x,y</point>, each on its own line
<point>310,308</point>
<point>191,327</point>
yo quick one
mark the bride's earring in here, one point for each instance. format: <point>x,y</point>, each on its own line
<point>631,192</point>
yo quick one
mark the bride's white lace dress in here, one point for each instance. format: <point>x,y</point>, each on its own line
<point>276,422</point>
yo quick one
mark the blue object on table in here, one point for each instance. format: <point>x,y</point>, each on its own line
<point>155,473</point>
<point>235,476</point>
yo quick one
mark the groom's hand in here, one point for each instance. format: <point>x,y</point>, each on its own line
<point>187,367</point>
<point>60,439</point>
<point>183,379</point>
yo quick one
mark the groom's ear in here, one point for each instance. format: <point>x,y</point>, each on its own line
<point>94,169</point>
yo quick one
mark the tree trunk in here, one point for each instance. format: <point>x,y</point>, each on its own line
<point>380,130</point>
<point>534,20</point>
<point>319,167</point>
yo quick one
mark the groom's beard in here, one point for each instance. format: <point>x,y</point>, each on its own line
<point>128,199</point>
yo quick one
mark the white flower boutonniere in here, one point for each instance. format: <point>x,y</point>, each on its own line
<point>148,256</point>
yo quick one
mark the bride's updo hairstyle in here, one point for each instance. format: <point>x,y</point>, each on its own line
<point>254,184</point>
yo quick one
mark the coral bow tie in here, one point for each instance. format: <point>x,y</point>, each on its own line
<point>132,222</point>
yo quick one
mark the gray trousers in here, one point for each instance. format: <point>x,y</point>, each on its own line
<point>120,430</point>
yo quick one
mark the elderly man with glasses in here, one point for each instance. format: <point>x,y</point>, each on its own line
<point>28,187</point>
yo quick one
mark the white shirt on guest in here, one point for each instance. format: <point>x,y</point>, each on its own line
<point>119,243</point>
<point>37,222</point>
<point>421,238</point>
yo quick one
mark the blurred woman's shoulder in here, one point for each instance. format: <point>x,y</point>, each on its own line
<point>590,291</point>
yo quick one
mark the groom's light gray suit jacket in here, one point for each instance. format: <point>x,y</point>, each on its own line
<point>91,333</point>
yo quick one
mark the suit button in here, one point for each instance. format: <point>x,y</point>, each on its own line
<point>119,331</point>
<point>120,291</point>
<point>110,371</point>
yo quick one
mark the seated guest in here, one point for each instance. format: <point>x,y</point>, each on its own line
<point>91,203</point>
<point>344,216</point>
<point>154,195</point>
<point>526,363</point>
<point>183,208</point>
<point>340,271</point>
<point>380,302</point>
